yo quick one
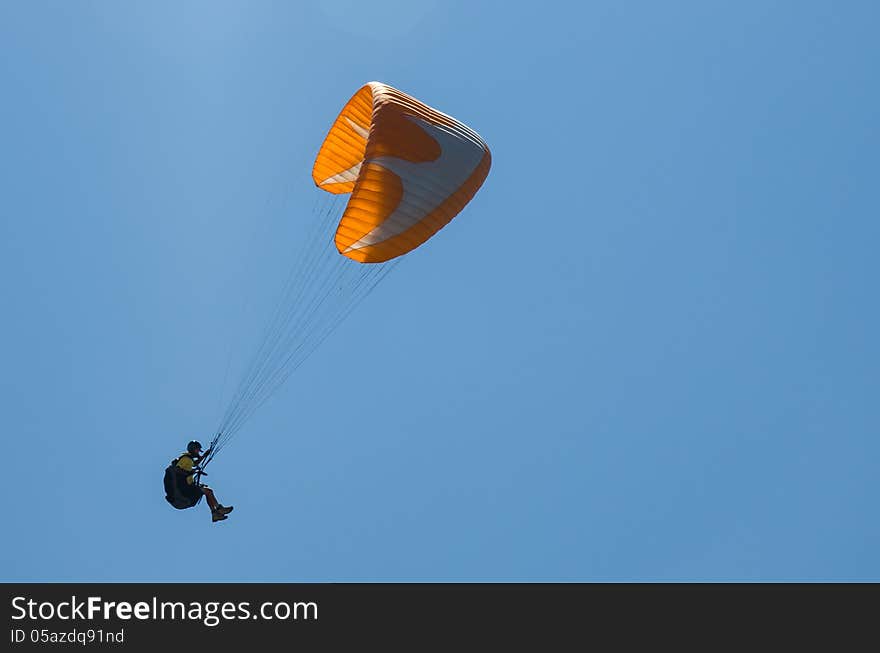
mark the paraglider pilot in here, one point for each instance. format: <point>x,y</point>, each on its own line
<point>183,490</point>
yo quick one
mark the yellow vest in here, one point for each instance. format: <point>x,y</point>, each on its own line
<point>185,462</point>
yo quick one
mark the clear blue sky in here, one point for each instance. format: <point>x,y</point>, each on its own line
<point>653,333</point>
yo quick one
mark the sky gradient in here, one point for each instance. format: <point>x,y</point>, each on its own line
<point>646,351</point>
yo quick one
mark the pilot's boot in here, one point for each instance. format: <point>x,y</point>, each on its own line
<point>216,515</point>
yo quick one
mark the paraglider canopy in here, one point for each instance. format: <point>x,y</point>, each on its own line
<point>409,168</point>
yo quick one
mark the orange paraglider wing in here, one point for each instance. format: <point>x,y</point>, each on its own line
<point>409,168</point>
